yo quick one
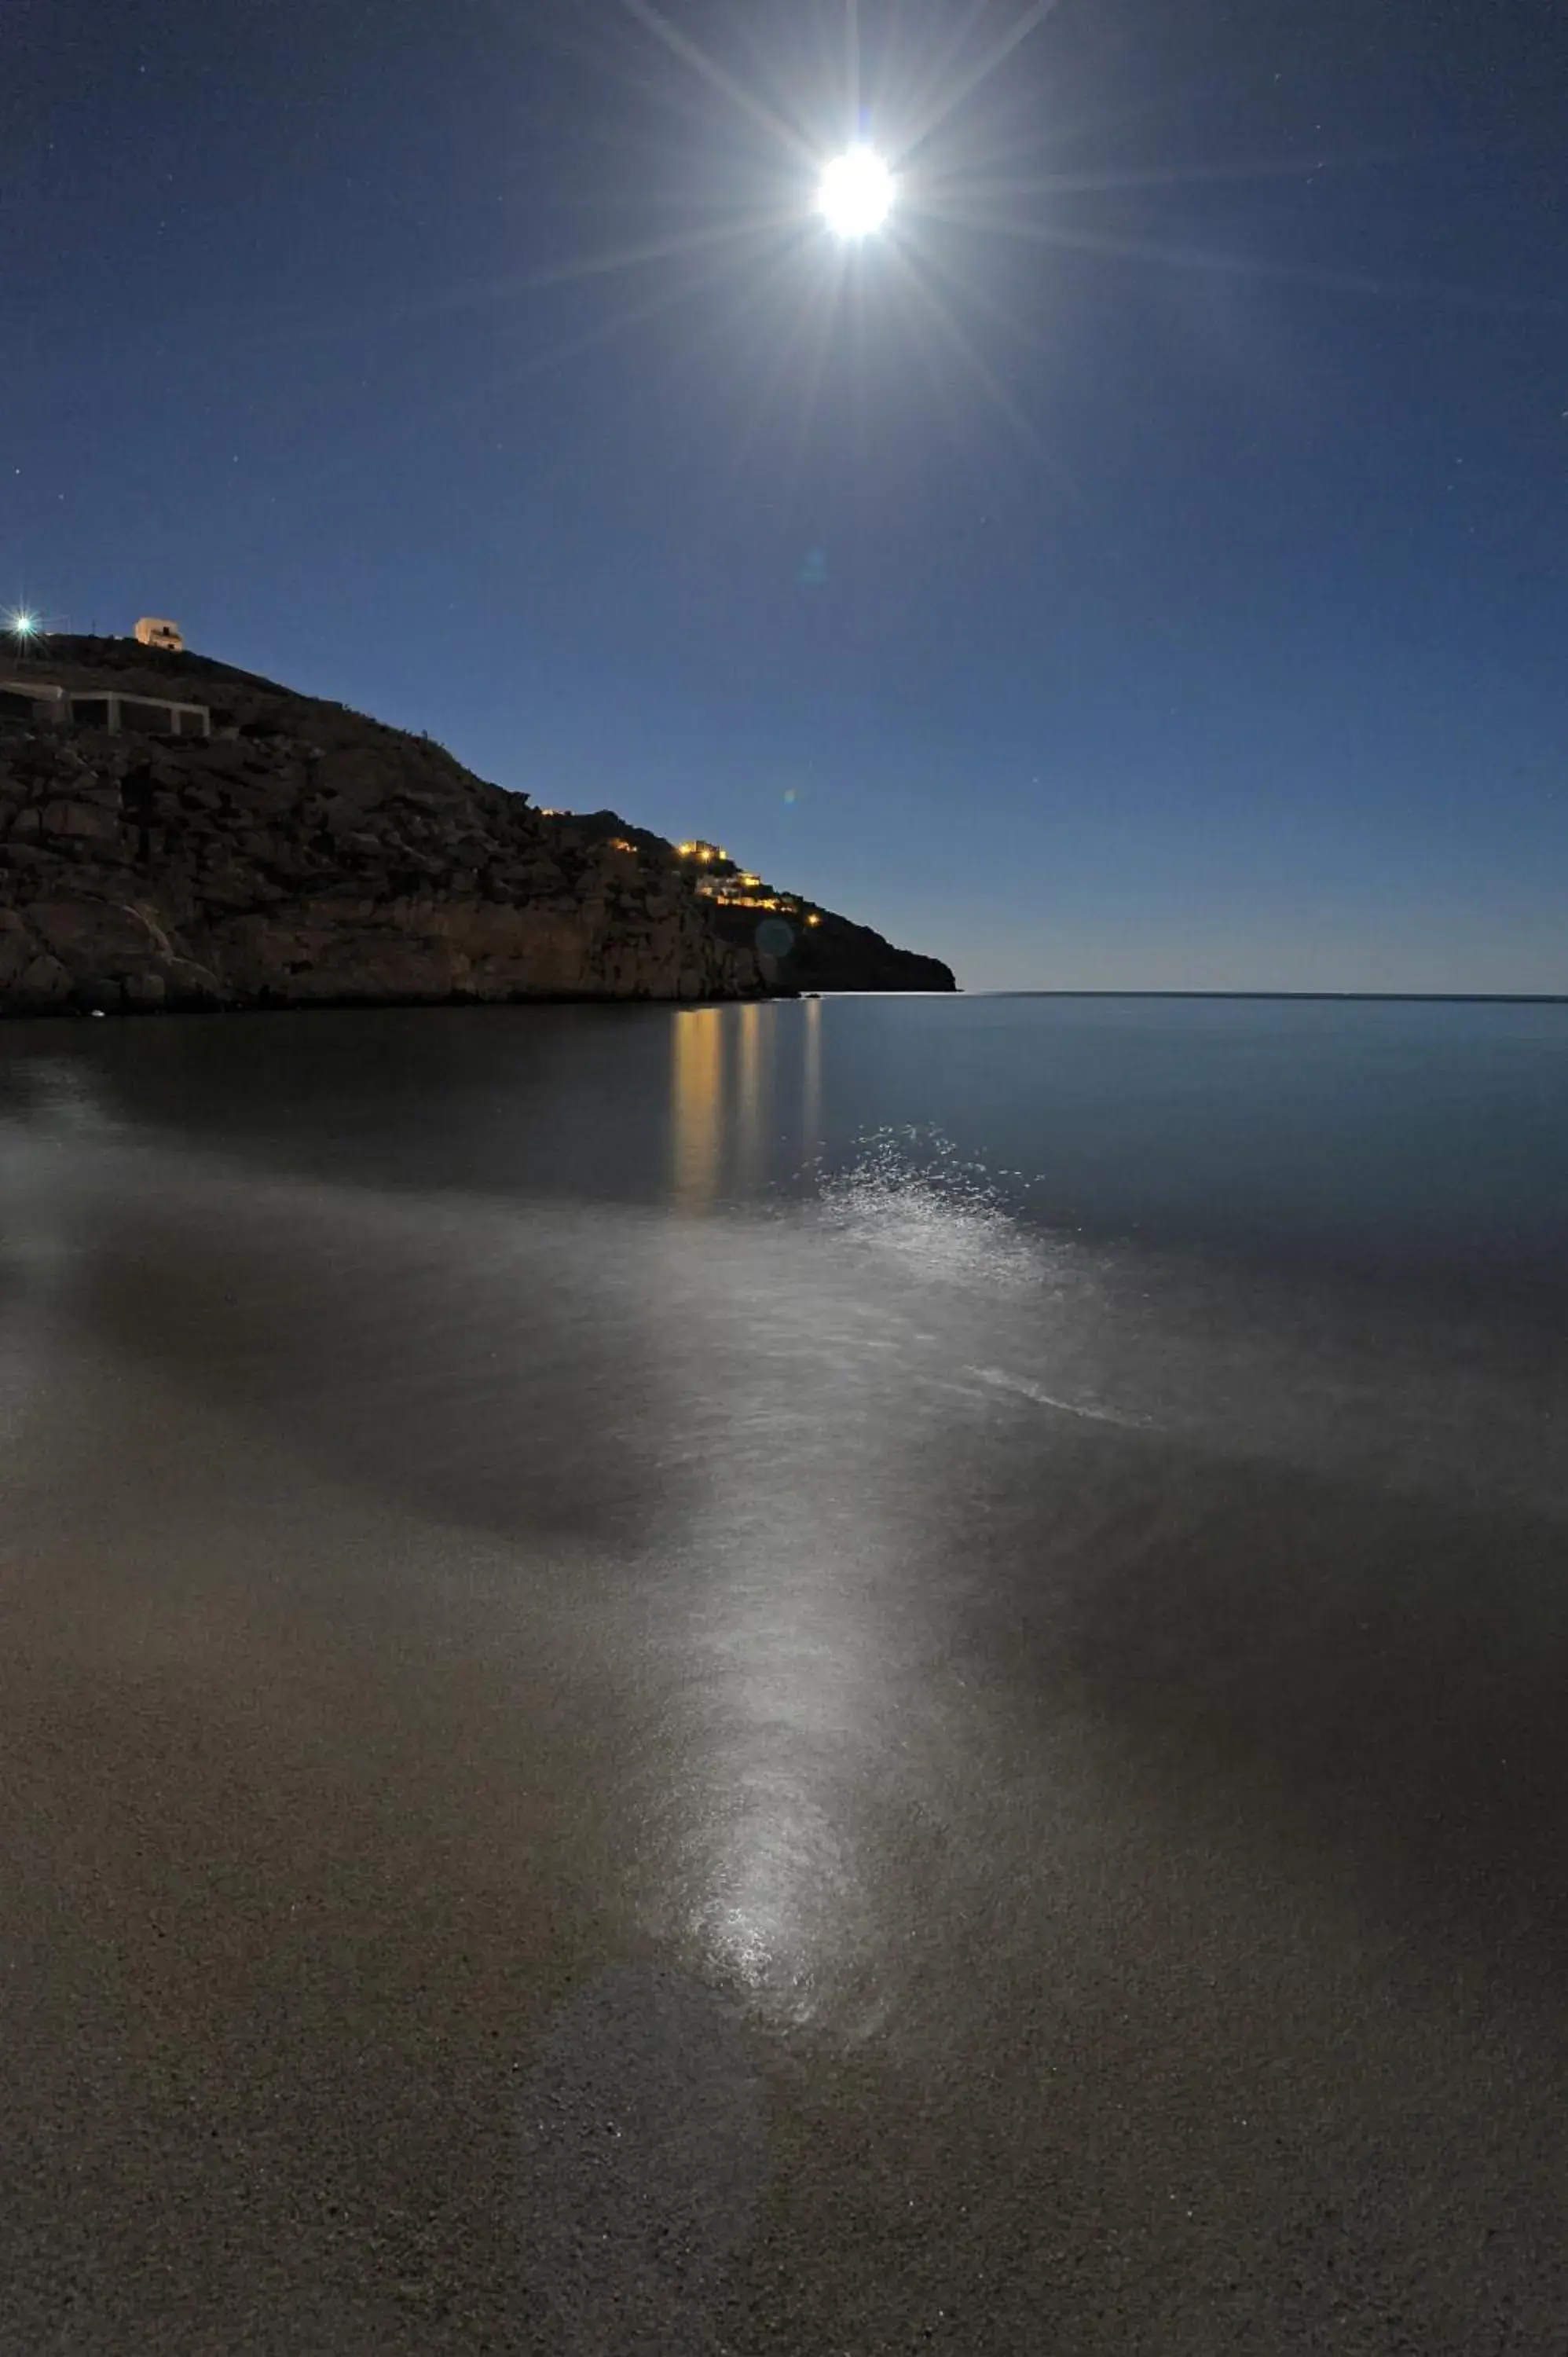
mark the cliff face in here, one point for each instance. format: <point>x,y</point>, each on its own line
<point>827,952</point>
<point>305,854</point>
<point>835,955</point>
<point>310,856</point>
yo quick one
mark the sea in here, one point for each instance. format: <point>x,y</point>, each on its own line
<point>974,1590</point>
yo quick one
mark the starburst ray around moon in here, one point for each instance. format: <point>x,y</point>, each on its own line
<point>853,225</point>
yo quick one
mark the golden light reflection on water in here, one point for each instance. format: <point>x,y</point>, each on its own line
<point>811,1082</point>
<point>722,1080</point>
<point>696,1124</point>
<point>732,1095</point>
<point>750,1092</point>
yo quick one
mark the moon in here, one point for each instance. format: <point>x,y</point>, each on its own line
<point>856,196</point>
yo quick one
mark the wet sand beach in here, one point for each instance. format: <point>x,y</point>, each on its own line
<point>775,1754</point>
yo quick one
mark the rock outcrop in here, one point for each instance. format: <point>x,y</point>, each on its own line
<point>826,952</point>
<point>835,955</point>
<point>307,856</point>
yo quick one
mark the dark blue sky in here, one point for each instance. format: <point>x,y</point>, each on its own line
<point>1149,568</point>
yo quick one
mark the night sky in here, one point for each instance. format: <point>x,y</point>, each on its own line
<point>1144,563</point>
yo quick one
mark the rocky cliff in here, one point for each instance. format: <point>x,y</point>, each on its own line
<point>837,955</point>
<point>306,854</point>
<point>826,952</point>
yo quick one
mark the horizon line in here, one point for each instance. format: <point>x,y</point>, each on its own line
<point>1390,997</point>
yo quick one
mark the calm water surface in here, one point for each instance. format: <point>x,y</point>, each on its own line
<point>865,1674</point>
